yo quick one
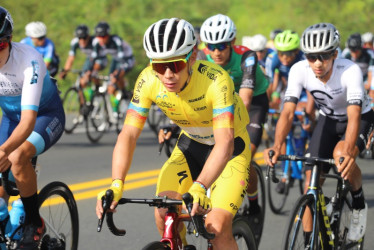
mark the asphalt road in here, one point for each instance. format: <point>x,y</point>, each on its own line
<point>86,168</point>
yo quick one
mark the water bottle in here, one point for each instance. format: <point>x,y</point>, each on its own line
<point>17,218</point>
<point>4,218</point>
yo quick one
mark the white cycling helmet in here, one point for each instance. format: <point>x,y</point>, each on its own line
<point>218,29</point>
<point>367,37</point>
<point>169,38</point>
<point>246,40</point>
<point>320,38</point>
<point>36,29</point>
<point>258,42</point>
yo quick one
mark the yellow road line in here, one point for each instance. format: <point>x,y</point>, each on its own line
<point>133,181</point>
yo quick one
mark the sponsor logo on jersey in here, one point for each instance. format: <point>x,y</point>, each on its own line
<point>249,61</point>
<point>199,108</point>
<point>197,99</point>
<point>35,72</point>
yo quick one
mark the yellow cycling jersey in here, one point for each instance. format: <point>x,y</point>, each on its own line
<point>207,102</point>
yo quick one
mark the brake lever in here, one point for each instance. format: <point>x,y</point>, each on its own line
<point>270,170</point>
<point>106,201</point>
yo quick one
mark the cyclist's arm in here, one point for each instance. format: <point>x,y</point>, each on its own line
<point>349,150</point>
<point>282,129</point>
<point>249,65</point>
<point>123,151</point>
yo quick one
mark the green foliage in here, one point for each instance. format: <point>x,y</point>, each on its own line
<point>129,19</point>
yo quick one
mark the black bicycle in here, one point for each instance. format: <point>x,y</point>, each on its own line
<point>329,226</point>
<point>59,211</point>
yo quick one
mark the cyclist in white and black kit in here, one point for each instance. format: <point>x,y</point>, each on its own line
<point>345,119</point>
<point>122,55</point>
<point>33,120</point>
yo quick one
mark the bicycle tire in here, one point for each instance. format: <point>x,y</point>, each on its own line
<point>123,105</point>
<point>156,245</point>
<point>72,108</point>
<point>295,231</point>
<point>97,121</point>
<point>243,234</point>
<point>56,204</point>
<point>278,200</point>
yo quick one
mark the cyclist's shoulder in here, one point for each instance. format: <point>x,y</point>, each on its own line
<point>240,49</point>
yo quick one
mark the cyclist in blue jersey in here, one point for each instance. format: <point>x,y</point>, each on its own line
<point>258,43</point>
<point>219,34</point>
<point>33,120</point>
<point>36,33</point>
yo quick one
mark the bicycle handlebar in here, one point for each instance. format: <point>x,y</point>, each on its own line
<point>310,160</point>
<point>159,202</point>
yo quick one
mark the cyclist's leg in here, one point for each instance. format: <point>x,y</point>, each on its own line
<point>322,143</point>
<point>170,185</point>
<point>47,131</point>
<point>257,116</point>
<point>227,195</point>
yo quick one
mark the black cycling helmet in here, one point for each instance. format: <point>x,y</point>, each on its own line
<point>102,29</point>
<point>6,23</point>
<point>274,33</point>
<point>82,31</point>
<point>354,41</point>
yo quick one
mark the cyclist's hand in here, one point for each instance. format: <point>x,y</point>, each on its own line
<point>4,161</point>
<point>201,203</point>
<point>347,166</point>
<point>162,136</point>
<point>117,187</point>
<point>274,159</point>
<point>63,74</point>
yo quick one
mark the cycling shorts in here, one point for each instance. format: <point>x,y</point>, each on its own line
<point>48,128</point>
<point>328,132</point>
<point>188,159</point>
<point>125,65</point>
<point>257,117</point>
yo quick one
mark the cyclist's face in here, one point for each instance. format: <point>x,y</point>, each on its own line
<point>355,53</point>
<point>174,82</point>
<point>103,40</point>
<point>322,68</point>
<point>287,57</point>
<point>221,57</point>
<point>38,41</point>
<point>83,42</point>
<point>261,54</point>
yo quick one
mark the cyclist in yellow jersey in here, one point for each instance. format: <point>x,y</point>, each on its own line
<point>213,149</point>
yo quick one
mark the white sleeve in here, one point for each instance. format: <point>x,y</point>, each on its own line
<point>353,81</point>
<point>34,74</point>
<point>296,81</point>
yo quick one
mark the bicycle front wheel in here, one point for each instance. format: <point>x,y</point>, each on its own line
<point>72,106</point>
<point>97,120</point>
<point>278,192</point>
<point>243,234</point>
<point>301,221</point>
<point>58,208</point>
<point>157,245</point>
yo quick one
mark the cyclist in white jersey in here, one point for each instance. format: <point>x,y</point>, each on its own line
<point>33,120</point>
<point>345,120</point>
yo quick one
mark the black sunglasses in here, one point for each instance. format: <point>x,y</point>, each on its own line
<point>287,53</point>
<point>321,57</point>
